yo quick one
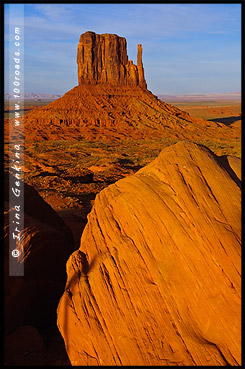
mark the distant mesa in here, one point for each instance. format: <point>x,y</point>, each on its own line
<point>235,96</point>
<point>103,59</point>
<point>32,96</point>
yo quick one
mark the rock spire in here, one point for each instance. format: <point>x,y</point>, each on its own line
<point>103,59</point>
<point>142,81</point>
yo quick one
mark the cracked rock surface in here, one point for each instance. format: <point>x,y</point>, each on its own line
<point>157,280</point>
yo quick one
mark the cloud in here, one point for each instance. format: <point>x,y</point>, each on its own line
<point>54,12</point>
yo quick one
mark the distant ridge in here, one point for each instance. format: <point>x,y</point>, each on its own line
<point>201,96</point>
<point>33,96</point>
<point>164,97</point>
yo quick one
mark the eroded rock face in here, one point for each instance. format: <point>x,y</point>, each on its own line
<point>103,59</point>
<point>47,243</point>
<point>156,280</point>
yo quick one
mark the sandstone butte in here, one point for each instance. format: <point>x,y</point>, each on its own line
<point>112,101</point>
<point>156,280</point>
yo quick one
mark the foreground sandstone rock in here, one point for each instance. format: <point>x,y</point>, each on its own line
<point>47,243</point>
<point>156,280</point>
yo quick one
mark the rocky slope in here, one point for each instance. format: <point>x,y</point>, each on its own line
<point>156,280</point>
<point>106,113</point>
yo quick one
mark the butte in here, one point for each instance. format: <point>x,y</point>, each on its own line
<point>112,101</point>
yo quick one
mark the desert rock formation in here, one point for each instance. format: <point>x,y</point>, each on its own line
<point>112,101</point>
<point>156,280</point>
<point>142,81</point>
<point>103,59</point>
<point>47,244</point>
<point>105,112</point>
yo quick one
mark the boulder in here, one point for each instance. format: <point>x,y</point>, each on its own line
<point>24,339</point>
<point>157,277</point>
<point>44,246</point>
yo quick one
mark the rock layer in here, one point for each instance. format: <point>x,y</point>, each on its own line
<point>103,59</point>
<point>156,280</point>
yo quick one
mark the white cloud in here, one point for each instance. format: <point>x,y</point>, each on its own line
<point>54,11</point>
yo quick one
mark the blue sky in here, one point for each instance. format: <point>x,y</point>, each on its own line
<point>187,48</point>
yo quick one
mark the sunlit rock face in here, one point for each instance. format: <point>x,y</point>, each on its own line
<point>103,59</point>
<point>156,280</point>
